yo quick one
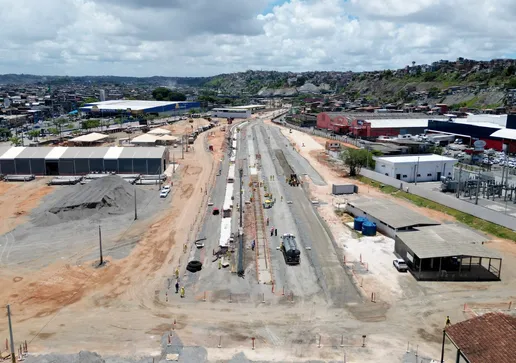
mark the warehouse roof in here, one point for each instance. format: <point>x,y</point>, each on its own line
<point>447,240</point>
<point>12,152</point>
<point>415,158</point>
<point>142,152</point>
<point>91,137</point>
<point>84,153</point>
<point>398,123</point>
<point>392,214</point>
<point>159,131</point>
<point>134,105</point>
<point>56,153</point>
<point>34,153</point>
<point>509,134</point>
<point>487,338</point>
<point>4,149</point>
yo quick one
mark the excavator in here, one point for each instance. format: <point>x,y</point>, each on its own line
<point>293,181</point>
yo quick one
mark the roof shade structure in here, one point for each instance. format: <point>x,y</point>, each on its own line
<point>508,134</point>
<point>168,138</point>
<point>91,137</point>
<point>145,138</point>
<point>159,131</point>
<point>487,338</point>
<point>447,240</point>
<point>392,214</point>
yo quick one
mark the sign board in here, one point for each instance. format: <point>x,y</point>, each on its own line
<point>479,144</point>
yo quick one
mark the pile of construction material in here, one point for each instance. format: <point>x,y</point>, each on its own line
<point>99,199</point>
<point>151,179</point>
<point>18,178</point>
<point>65,180</point>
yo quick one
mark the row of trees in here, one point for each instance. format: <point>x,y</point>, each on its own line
<point>166,94</point>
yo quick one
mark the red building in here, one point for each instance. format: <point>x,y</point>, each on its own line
<point>334,121</point>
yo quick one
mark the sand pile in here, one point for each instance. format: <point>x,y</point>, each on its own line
<point>98,199</point>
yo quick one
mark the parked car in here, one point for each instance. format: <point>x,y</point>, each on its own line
<point>400,265</point>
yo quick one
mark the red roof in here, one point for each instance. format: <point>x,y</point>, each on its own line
<point>487,338</point>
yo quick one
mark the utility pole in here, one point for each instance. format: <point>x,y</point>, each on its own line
<point>478,187</point>
<point>100,248</point>
<point>241,171</point>
<point>13,354</point>
<point>182,147</point>
<point>135,211</point>
<point>173,163</point>
<point>458,183</point>
<point>417,170</point>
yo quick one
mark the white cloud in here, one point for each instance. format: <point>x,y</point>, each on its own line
<point>205,37</point>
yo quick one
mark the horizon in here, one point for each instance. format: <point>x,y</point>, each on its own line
<point>202,39</point>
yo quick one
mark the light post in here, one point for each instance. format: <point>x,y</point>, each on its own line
<point>416,171</point>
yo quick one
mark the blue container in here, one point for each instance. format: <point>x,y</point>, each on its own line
<point>369,228</point>
<point>357,225</point>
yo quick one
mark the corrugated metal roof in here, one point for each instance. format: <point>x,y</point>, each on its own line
<point>142,153</point>
<point>509,134</point>
<point>34,153</point>
<point>56,153</point>
<point>447,240</point>
<point>392,214</point>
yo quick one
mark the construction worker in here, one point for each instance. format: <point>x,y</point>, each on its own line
<point>282,198</point>
<point>275,231</point>
<point>252,245</point>
<point>220,263</point>
<point>182,291</point>
<point>448,322</point>
<point>267,220</point>
<point>177,286</point>
<point>184,248</point>
<point>272,231</point>
<point>177,273</point>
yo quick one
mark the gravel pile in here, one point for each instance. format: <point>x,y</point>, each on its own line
<point>103,197</point>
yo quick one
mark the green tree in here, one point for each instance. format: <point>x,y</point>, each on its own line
<point>166,94</point>
<point>5,133</point>
<point>355,159</point>
<point>90,124</point>
<point>59,123</point>
<point>34,134</point>
<point>88,100</point>
<point>15,141</point>
<point>54,131</point>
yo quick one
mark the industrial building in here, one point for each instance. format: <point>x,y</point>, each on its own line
<point>416,168</point>
<point>252,108</point>
<point>133,107</point>
<point>447,252</point>
<point>489,128</point>
<point>231,112</point>
<point>367,125</point>
<point>82,160</point>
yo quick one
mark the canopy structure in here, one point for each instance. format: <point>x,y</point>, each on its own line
<point>92,137</point>
<point>159,131</point>
<point>168,138</point>
<point>145,139</point>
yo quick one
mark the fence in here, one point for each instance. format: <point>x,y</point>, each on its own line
<point>444,199</point>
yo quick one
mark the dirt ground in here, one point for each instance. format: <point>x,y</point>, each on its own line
<point>18,199</point>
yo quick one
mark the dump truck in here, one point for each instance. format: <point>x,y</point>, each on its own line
<point>289,249</point>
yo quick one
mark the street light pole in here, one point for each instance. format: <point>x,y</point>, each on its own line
<point>13,354</point>
<point>417,170</point>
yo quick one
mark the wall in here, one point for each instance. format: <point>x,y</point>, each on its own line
<point>445,199</point>
<point>426,171</point>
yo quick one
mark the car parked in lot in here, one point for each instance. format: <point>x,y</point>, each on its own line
<point>400,265</point>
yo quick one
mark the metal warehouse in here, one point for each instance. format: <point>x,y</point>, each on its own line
<point>139,107</point>
<point>82,160</point>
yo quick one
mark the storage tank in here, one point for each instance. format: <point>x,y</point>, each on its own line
<point>368,228</point>
<point>289,249</point>
<point>357,225</point>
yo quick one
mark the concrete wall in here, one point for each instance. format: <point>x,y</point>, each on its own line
<point>444,199</point>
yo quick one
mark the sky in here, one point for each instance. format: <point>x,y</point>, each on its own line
<point>209,37</point>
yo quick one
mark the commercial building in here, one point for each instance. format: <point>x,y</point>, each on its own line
<point>231,112</point>
<point>486,338</point>
<point>252,108</point>
<point>82,160</point>
<point>447,252</point>
<point>133,107</point>
<point>416,168</point>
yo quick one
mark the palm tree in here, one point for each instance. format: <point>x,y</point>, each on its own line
<point>15,141</point>
<point>34,134</point>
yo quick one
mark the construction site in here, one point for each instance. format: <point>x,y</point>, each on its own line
<point>251,258</point>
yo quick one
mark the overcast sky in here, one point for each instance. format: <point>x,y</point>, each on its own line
<point>208,37</point>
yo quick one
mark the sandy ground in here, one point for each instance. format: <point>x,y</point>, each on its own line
<point>18,199</point>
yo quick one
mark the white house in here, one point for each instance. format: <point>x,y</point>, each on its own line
<point>412,168</point>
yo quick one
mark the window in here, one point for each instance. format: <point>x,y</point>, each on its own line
<point>383,166</point>
<point>429,174</point>
<point>419,175</point>
<point>387,174</point>
<point>404,176</point>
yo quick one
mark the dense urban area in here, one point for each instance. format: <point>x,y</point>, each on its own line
<point>260,216</point>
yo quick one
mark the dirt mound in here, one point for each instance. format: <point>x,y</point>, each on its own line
<point>110,195</point>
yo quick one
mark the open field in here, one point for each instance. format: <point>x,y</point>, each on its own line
<point>315,311</point>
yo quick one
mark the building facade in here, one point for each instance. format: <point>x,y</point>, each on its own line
<point>416,168</point>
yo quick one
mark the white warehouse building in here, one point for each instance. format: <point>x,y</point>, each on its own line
<point>412,168</point>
